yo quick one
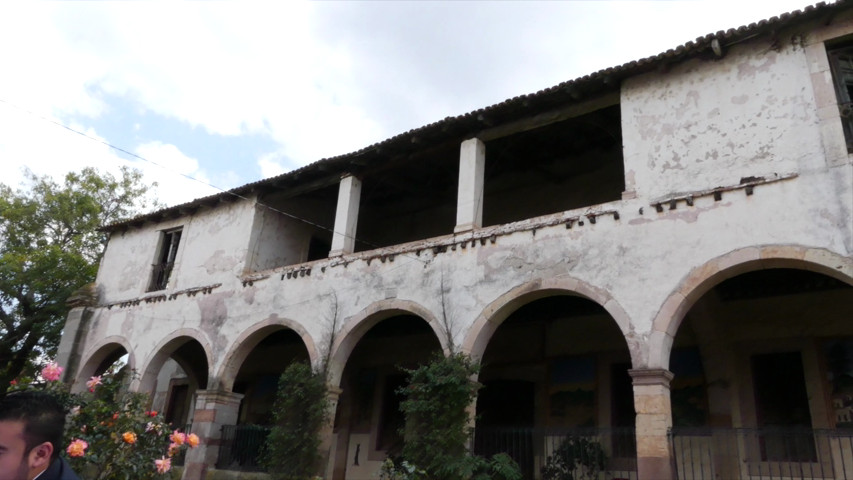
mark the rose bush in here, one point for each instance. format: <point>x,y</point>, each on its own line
<point>110,433</point>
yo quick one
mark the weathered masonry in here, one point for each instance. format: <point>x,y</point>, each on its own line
<point>655,257</point>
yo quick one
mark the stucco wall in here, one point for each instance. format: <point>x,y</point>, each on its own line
<point>709,123</point>
<point>701,125</point>
<point>212,248</point>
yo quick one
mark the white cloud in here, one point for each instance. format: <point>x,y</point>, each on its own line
<point>178,176</point>
<point>272,165</point>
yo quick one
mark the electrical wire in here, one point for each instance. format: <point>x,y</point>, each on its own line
<point>219,189</point>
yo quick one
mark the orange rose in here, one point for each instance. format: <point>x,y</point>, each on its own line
<point>129,437</point>
<point>77,448</point>
<point>178,438</point>
<point>192,440</point>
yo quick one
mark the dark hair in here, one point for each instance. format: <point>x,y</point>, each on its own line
<point>42,414</point>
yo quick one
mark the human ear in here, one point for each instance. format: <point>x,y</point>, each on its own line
<point>39,456</point>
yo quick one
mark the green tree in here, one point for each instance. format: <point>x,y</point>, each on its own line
<point>50,245</point>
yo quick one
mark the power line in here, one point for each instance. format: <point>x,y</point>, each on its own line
<point>220,189</point>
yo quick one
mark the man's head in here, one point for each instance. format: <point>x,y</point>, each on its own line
<point>31,425</point>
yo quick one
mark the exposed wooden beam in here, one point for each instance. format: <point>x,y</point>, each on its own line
<point>549,117</point>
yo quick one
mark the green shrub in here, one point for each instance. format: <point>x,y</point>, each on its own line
<point>577,458</point>
<point>437,428</point>
<point>292,450</point>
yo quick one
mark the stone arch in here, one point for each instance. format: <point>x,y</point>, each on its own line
<point>249,339</point>
<point>164,350</point>
<point>357,325</point>
<point>101,352</point>
<point>701,279</point>
<point>478,336</point>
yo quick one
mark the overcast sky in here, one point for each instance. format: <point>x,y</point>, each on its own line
<point>233,92</point>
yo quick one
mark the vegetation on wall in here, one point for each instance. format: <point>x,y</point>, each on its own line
<point>292,450</point>
<point>437,428</point>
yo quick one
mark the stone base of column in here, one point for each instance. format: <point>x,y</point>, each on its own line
<point>654,418</point>
<point>655,468</point>
<point>213,409</point>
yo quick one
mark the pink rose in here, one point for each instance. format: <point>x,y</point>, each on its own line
<point>51,372</point>
<point>163,464</point>
<point>93,382</point>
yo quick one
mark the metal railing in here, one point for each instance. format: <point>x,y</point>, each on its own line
<point>241,447</point>
<point>543,452</point>
<point>160,276</point>
<point>791,453</point>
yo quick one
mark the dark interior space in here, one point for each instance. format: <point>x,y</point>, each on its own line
<point>565,165</point>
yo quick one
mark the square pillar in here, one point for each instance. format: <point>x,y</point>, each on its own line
<point>327,435</point>
<point>469,200</point>
<point>654,419</point>
<point>213,409</point>
<point>346,216</point>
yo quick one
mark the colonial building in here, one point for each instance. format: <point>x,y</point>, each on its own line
<point>655,257</point>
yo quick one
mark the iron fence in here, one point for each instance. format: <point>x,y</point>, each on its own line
<point>548,453</point>
<point>241,446</point>
<point>762,453</point>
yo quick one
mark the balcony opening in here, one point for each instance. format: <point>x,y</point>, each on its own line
<point>410,198</point>
<point>565,165</point>
<point>291,229</point>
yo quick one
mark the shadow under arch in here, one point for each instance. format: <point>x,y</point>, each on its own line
<point>702,278</point>
<point>484,327</point>
<point>164,350</point>
<point>359,324</point>
<point>249,339</point>
<point>100,356</point>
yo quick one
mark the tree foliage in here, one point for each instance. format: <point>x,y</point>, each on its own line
<point>50,246</point>
<point>301,408</point>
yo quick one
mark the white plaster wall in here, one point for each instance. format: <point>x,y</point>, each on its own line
<point>277,240</point>
<point>698,126</point>
<point>170,371</point>
<point>213,248</point>
<point>708,123</point>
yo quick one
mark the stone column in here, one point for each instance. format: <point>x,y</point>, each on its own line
<point>213,409</point>
<point>72,343</point>
<point>346,216</point>
<point>469,204</point>
<point>328,445</point>
<point>654,419</point>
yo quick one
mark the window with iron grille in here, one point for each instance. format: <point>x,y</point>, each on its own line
<point>165,259</point>
<point>841,62</point>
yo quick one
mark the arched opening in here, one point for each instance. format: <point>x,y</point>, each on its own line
<point>112,356</point>
<point>258,362</point>
<point>555,374</point>
<point>258,376</point>
<point>368,417</point>
<point>173,376</point>
<point>763,376</point>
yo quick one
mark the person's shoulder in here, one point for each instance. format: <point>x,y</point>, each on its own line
<point>59,470</point>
